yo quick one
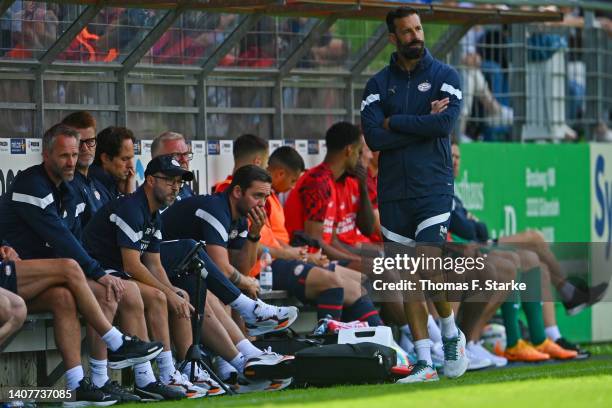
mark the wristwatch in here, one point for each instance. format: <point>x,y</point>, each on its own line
<point>253,239</point>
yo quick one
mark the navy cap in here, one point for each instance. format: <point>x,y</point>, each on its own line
<point>169,166</point>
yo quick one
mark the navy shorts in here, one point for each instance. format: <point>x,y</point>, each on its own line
<point>423,219</point>
<point>291,276</point>
<point>8,277</point>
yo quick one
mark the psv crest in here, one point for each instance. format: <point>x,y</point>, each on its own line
<point>424,87</point>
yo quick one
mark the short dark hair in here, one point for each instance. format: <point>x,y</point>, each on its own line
<point>80,120</point>
<point>109,141</point>
<point>246,175</point>
<point>399,12</point>
<point>340,135</point>
<point>248,144</point>
<point>288,157</point>
<point>54,131</point>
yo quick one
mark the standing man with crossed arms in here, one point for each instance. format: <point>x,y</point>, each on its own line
<point>408,111</point>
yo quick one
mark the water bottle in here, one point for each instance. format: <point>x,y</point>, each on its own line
<point>265,274</point>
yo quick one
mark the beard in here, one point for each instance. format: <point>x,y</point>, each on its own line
<point>243,208</point>
<point>412,50</point>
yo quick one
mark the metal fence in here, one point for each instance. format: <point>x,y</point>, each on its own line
<point>535,82</point>
<point>213,75</point>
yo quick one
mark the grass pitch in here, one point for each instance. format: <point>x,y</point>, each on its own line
<point>586,383</point>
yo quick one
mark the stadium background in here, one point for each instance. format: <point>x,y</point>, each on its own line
<point>286,71</point>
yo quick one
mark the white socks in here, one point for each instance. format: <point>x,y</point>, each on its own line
<point>248,349</point>
<point>74,377</point>
<point>113,338</point>
<point>423,351</point>
<point>99,372</point>
<point>449,327</point>
<point>238,362</point>
<point>224,369</point>
<point>434,331</point>
<point>143,374</point>
<point>165,365</point>
<point>553,333</point>
<point>244,305</point>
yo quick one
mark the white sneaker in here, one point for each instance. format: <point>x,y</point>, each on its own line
<point>268,318</point>
<point>437,355</point>
<point>242,385</point>
<point>455,357</point>
<point>203,380</point>
<point>478,350</point>
<point>268,365</point>
<point>477,363</point>
<point>179,381</point>
<point>421,372</point>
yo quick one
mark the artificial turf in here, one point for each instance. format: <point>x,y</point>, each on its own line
<point>568,384</point>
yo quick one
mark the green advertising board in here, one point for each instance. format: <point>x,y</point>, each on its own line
<point>516,187</point>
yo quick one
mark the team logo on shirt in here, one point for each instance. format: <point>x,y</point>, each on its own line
<point>424,87</point>
<point>233,234</point>
<point>298,270</point>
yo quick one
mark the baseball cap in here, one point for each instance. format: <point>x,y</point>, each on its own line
<point>169,166</point>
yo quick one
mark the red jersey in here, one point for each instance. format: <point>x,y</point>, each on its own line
<point>313,198</point>
<point>347,194</point>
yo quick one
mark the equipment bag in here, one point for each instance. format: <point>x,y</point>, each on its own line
<point>344,364</point>
<point>288,342</point>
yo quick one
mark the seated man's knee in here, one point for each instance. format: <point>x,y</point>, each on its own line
<point>132,300</point>
<point>535,237</point>
<point>529,260</point>
<point>72,270</point>
<point>19,311</point>
<point>327,279</point>
<point>60,299</point>
<point>156,298</point>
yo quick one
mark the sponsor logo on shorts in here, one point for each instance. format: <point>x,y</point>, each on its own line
<point>298,270</point>
<point>443,231</point>
<point>233,234</point>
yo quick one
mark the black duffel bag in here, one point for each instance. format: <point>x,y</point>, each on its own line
<point>334,364</point>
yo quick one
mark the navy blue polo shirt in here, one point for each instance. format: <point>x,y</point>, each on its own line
<point>90,192</point>
<point>185,192</point>
<point>464,225</point>
<point>108,188</point>
<point>205,218</point>
<point>41,220</point>
<point>125,222</point>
